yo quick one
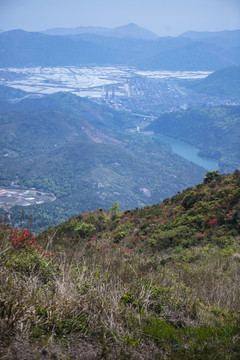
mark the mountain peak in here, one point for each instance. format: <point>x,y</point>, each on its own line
<point>134,31</point>
<point>130,25</point>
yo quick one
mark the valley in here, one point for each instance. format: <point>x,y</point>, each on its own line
<point>99,123</point>
<point>187,151</point>
<point>120,87</point>
<point>91,152</point>
<point>119,189</point>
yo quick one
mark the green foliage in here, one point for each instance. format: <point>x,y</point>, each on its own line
<point>210,176</point>
<point>190,199</point>
<point>115,208</point>
<point>127,299</point>
<point>83,229</point>
<point>208,212</point>
<point>159,330</point>
<point>119,236</point>
<point>130,340</point>
<point>57,328</point>
<point>30,263</point>
<point>160,281</point>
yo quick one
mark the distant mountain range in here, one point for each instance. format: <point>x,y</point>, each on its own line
<point>128,48</point>
<point>126,31</point>
<point>227,37</point>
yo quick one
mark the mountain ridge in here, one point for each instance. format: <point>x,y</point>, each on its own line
<point>224,82</point>
<point>130,30</point>
<point>21,48</point>
<point>225,37</point>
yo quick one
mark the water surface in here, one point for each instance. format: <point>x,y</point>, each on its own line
<point>188,152</point>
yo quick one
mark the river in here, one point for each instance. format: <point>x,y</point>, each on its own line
<point>188,152</point>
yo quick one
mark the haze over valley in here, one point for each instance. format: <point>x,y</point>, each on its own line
<point>88,116</point>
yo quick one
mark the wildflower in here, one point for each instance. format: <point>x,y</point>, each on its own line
<point>212,222</point>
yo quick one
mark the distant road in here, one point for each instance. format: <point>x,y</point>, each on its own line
<point>146,116</point>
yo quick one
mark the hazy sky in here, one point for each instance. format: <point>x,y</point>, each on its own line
<point>164,17</point>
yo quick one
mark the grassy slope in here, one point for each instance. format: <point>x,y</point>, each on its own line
<point>161,282</point>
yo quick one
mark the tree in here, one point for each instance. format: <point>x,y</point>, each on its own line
<point>210,176</point>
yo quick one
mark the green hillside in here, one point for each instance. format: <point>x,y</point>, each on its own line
<point>42,130</point>
<point>214,130</point>
<point>223,83</point>
<point>83,153</point>
<point>8,93</point>
<point>85,175</point>
<point>160,282</point>
<point>93,113</point>
<point>206,213</point>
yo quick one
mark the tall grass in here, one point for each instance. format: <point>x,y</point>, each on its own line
<point>98,304</point>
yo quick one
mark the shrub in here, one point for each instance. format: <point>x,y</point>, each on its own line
<point>119,236</point>
<point>22,239</point>
<point>84,229</point>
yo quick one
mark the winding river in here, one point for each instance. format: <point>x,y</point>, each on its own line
<point>188,152</point>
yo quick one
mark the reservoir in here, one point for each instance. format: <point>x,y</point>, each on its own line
<point>188,152</point>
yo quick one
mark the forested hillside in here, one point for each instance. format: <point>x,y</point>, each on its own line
<point>83,153</point>
<point>223,83</point>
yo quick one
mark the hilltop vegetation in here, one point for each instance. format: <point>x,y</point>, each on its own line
<point>214,130</point>
<point>160,282</point>
<point>197,216</point>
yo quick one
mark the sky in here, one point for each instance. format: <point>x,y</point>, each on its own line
<point>164,17</point>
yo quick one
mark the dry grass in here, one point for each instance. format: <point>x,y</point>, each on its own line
<point>92,304</point>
